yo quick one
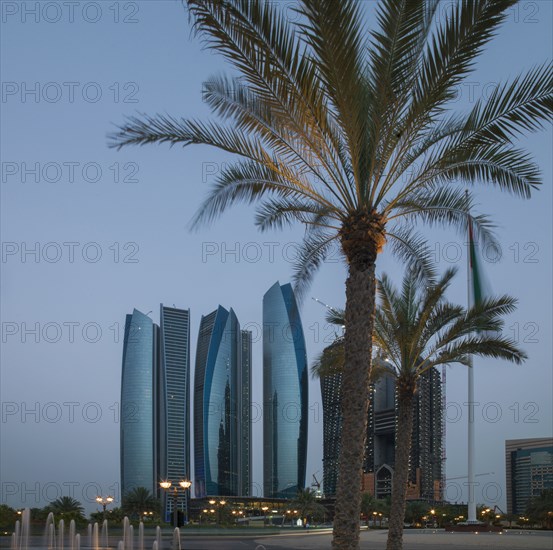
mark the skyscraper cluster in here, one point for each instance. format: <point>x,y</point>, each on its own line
<point>155,402</point>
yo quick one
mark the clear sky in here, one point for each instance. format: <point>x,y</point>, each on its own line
<point>89,233</point>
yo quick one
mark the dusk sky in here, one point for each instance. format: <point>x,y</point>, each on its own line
<point>89,233</point>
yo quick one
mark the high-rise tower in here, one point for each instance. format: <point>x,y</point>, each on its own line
<point>222,425</point>
<point>138,403</point>
<point>284,394</point>
<point>174,399</point>
<point>425,463</point>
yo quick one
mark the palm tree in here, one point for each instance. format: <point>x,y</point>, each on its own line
<point>307,504</point>
<point>415,510</point>
<point>418,329</point>
<point>368,506</point>
<point>68,507</point>
<point>139,500</point>
<point>349,133</point>
<point>540,509</point>
<point>8,517</point>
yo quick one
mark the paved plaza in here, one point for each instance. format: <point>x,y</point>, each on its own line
<point>422,539</point>
<point>376,540</point>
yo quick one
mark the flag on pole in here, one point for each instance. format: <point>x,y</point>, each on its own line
<point>479,288</point>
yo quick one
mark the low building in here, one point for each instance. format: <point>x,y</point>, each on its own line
<point>529,469</point>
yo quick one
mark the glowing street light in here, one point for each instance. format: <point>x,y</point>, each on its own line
<point>183,484</point>
<point>104,502</point>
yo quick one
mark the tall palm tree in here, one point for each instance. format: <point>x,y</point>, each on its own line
<point>418,329</point>
<point>349,133</point>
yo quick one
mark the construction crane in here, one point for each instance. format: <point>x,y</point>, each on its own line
<point>330,308</point>
<point>316,483</point>
<point>476,475</point>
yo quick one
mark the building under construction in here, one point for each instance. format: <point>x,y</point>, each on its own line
<point>427,458</point>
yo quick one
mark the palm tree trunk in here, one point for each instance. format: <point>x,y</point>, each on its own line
<point>401,469</point>
<point>360,301</point>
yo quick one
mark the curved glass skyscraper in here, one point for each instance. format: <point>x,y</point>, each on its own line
<point>221,394</point>
<point>137,403</point>
<point>155,397</point>
<point>284,394</point>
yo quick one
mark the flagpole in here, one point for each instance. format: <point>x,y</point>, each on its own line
<point>471,516</point>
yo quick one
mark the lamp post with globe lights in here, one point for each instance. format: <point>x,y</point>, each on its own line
<point>104,502</point>
<point>184,484</point>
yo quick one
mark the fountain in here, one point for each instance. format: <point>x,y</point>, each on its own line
<point>55,540</point>
<point>50,532</point>
<point>141,536</point>
<point>126,533</point>
<point>61,534</point>
<point>20,537</point>
<point>158,538</point>
<point>176,539</point>
<point>15,536</point>
<point>72,533</point>
<point>105,537</point>
<point>51,536</point>
<point>95,537</point>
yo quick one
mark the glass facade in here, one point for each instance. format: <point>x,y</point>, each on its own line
<point>221,393</point>
<point>155,397</point>
<point>284,394</point>
<point>529,471</point>
<point>137,404</point>
<point>174,416</point>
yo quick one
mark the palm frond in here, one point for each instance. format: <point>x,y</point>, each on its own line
<point>335,34</point>
<point>277,213</point>
<point>336,316</point>
<point>411,249</point>
<point>247,182</point>
<point>493,348</point>
<point>257,39</point>
<point>418,328</point>
<point>311,253</point>
<point>522,105</point>
<point>452,50</point>
<point>506,167</point>
<point>445,207</point>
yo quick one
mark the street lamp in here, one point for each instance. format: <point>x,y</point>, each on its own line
<point>184,484</point>
<point>104,502</point>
